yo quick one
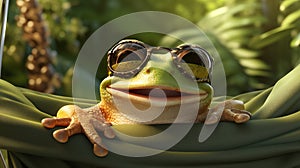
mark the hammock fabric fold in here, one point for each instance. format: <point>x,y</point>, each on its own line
<point>270,139</point>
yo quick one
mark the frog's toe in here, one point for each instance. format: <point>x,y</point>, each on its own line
<point>61,135</point>
<point>241,116</point>
<point>109,133</point>
<point>100,151</point>
<point>53,122</point>
<point>104,127</point>
<point>236,115</point>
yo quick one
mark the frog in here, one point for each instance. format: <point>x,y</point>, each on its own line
<point>146,77</point>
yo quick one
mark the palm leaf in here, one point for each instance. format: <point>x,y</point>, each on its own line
<point>240,22</point>
<point>292,19</point>
<point>287,4</point>
<point>252,57</point>
<point>271,36</point>
<point>230,29</point>
<point>288,26</point>
<point>296,41</point>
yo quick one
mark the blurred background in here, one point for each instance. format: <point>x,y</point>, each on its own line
<point>258,40</point>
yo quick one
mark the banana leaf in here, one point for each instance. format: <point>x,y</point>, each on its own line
<point>270,139</point>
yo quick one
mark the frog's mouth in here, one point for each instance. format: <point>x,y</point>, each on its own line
<point>158,95</point>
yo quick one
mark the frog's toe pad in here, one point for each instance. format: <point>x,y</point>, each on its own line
<point>53,122</point>
<point>101,126</point>
<point>236,115</point>
<point>100,151</point>
<point>48,122</point>
<point>61,135</point>
<point>241,116</point>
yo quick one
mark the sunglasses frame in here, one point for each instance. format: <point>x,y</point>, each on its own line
<point>175,53</point>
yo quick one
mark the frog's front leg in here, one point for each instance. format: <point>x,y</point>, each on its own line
<point>70,115</point>
<point>232,111</point>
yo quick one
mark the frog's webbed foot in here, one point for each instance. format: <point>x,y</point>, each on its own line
<point>233,110</point>
<point>66,117</point>
<point>77,120</point>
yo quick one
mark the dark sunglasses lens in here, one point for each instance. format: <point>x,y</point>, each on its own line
<point>127,56</point>
<point>195,62</point>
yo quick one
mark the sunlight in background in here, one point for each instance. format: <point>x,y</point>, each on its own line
<point>257,40</point>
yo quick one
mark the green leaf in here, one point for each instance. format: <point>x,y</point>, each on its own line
<point>258,85</point>
<point>287,3</point>
<point>236,34</point>
<point>257,72</point>
<point>224,14</point>
<point>293,18</point>
<point>245,53</point>
<point>184,34</point>
<point>230,11</point>
<point>254,64</point>
<point>218,12</point>
<point>241,22</point>
<point>296,41</point>
<point>270,37</point>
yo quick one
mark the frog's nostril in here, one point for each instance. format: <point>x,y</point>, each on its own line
<point>148,70</point>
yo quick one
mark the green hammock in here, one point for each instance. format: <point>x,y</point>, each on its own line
<point>270,139</point>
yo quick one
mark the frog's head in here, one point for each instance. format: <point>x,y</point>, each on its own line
<point>155,78</point>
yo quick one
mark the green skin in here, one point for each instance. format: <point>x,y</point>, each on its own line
<point>160,72</point>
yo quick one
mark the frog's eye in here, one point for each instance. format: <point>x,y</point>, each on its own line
<point>194,61</point>
<point>126,58</point>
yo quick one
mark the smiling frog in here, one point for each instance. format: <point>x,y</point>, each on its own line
<point>142,81</point>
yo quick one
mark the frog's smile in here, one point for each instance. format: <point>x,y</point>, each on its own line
<point>157,95</point>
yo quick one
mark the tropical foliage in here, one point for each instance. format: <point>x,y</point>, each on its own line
<point>258,41</point>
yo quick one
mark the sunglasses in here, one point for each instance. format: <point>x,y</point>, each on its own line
<point>129,57</point>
